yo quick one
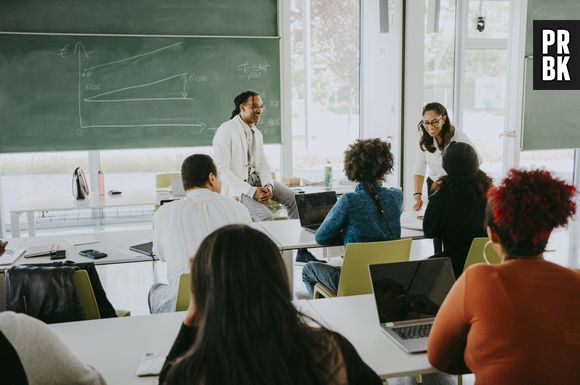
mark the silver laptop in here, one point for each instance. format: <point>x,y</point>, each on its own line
<point>313,208</point>
<point>408,295</point>
<point>177,186</point>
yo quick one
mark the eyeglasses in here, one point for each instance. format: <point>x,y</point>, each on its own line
<point>256,106</point>
<point>434,122</point>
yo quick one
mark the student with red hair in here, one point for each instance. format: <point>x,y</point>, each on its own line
<point>516,322</point>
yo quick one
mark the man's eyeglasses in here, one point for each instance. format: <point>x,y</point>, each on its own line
<point>434,122</point>
<point>256,106</point>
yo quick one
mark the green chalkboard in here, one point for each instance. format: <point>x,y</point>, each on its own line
<point>89,92</point>
<point>158,17</point>
<point>550,118</point>
<point>548,10</point>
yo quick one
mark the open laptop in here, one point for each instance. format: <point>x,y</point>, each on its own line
<point>313,208</point>
<point>408,295</point>
<point>177,186</point>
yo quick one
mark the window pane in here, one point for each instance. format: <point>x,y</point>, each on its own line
<point>496,19</point>
<point>136,169</point>
<point>484,105</point>
<point>440,58</point>
<point>39,173</point>
<point>560,162</point>
<point>323,128</point>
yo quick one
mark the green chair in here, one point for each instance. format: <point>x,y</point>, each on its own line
<point>183,292</point>
<point>84,290</point>
<point>354,277</point>
<point>475,253</point>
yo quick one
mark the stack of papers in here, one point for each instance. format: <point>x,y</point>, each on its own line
<point>10,256</point>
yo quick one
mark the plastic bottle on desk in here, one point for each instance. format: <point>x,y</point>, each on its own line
<point>328,174</point>
<point>101,182</point>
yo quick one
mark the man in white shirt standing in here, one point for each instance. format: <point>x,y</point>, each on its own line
<point>181,225</point>
<point>239,155</point>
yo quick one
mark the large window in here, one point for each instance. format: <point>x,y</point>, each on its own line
<point>325,83</point>
<point>439,55</point>
<point>484,80</point>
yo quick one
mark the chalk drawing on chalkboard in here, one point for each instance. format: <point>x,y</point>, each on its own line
<point>111,95</point>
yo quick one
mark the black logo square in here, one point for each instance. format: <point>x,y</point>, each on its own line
<point>557,54</point>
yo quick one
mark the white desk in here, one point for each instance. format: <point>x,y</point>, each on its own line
<point>33,203</point>
<point>114,346</point>
<point>115,243</point>
<point>290,236</point>
<point>356,318</point>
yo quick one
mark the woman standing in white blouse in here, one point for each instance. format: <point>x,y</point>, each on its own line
<point>436,132</point>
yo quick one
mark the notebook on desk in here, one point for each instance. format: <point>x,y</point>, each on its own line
<point>10,256</point>
<point>143,248</point>
<point>408,296</point>
<point>313,208</point>
<point>41,250</point>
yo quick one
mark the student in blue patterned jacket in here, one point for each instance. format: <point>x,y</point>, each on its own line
<point>369,214</point>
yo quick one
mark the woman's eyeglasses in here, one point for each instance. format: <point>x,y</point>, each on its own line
<point>434,122</point>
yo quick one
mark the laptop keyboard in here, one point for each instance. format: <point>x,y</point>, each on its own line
<point>411,332</point>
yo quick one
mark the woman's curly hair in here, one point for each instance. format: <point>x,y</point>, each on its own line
<point>368,160</point>
<point>526,207</point>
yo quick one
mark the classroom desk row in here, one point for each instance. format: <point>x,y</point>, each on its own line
<point>288,236</point>
<point>115,346</point>
<point>33,203</point>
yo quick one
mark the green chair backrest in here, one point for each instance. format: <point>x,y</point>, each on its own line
<point>84,289</point>
<point>164,180</point>
<point>475,253</point>
<point>183,292</point>
<point>354,277</point>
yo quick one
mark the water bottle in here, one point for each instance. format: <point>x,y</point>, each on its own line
<point>328,174</point>
<point>101,182</point>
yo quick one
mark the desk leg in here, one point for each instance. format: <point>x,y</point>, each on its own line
<point>288,259</point>
<point>31,227</point>
<point>15,225</point>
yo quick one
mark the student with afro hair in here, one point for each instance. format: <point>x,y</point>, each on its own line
<point>516,322</point>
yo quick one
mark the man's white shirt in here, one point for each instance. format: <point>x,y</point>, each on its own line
<point>180,226</point>
<point>230,147</point>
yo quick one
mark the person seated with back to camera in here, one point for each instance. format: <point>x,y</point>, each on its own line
<point>517,322</point>
<point>369,214</point>
<point>242,328</point>
<point>32,354</point>
<point>456,209</point>
<point>181,225</point>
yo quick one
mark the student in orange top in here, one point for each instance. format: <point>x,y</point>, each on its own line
<point>516,322</point>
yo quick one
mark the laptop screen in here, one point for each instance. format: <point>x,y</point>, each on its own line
<point>411,290</point>
<point>313,208</point>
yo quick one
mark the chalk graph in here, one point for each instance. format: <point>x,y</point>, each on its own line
<point>144,103</point>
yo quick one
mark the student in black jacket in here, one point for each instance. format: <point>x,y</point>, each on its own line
<point>242,328</point>
<point>456,210</point>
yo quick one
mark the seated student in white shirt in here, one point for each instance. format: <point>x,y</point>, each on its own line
<point>180,226</point>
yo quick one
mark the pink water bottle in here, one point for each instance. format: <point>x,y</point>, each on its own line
<point>101,182</point>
